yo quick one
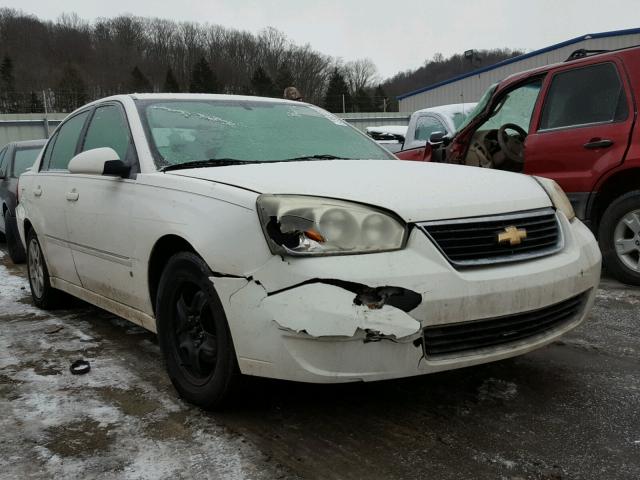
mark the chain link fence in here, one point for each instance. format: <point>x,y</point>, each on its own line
<point>65,101</point>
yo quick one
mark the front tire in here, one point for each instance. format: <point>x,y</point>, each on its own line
<point>193,332</point>
<point>14,245</point>
<point>43,294</point>
<point>619,238</point>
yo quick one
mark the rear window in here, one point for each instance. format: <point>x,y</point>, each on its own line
<point>24,158</point>
<point>584,96</point>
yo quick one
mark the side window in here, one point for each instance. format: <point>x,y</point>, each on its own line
<point>108,128</point>
<point>24,158</point>
<point>427,125</point>
<point>2,162</point>
<point>46,157</point>
<point>585,95</point>
<point>65,145</point>
<point>515,107</point>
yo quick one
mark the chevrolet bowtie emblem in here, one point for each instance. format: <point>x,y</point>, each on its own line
<point>512,236</point>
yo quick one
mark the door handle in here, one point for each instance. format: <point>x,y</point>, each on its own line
<point>72,196</point>
<point>598,143</point>
<point>37,191</point>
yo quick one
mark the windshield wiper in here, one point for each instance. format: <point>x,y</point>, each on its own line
<point>326,156</point>
<point>212,162</point>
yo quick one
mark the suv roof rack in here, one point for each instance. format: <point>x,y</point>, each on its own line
<point>583,52</point>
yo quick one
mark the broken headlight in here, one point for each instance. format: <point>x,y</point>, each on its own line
<point>304,225</point>
<point>557,196</point>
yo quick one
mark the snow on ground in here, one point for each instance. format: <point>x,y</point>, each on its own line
<point>122,420</point>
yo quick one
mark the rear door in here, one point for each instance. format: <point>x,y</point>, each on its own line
<point>98,212</point>
<point>582,127</point>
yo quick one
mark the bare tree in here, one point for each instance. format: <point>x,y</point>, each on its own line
<point>361,74</point>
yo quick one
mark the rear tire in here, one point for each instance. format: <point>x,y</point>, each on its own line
<point>14,245</point>
<point>193,332</point>
<point>43,294</point>
<point>619,238</point>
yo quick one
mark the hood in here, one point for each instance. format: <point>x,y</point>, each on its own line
<point>417,191</point>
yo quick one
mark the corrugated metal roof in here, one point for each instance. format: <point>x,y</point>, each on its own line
<point>613,33</point>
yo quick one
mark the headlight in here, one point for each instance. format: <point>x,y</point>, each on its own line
<point>557,196</point>
<point>304,225</point>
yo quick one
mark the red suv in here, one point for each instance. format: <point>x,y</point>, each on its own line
<point>574,122</point>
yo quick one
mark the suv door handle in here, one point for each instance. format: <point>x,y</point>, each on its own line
<point>598,143</point>
<point>37,191</point>
<point>72,196</point>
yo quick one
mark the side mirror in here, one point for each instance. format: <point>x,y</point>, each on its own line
<point>437,138</point>
<point>99,161</point>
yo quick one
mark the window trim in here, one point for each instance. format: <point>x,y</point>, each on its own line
<point>581,125</point>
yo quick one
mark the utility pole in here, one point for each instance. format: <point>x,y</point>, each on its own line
<point>344,109</point>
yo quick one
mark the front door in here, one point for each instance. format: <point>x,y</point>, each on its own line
<point>581,128</point>
<point>47,192</point>
<point>99,212</point>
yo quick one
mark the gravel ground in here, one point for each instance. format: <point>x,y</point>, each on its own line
<point>570,410</point>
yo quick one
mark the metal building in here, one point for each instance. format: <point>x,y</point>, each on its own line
<point>470,86</point>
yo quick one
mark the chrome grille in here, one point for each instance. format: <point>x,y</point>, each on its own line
<point>474,241</point>
<point>455,338</point>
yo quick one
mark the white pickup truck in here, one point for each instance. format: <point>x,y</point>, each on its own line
<point>445,118</point>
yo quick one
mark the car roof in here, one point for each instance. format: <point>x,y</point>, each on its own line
<point>516,77</point>
<point>188,96</point>
<point>449,109</point>
<point>27,143</point>
<point>195,96</point>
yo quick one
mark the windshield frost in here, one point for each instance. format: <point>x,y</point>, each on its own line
<point>482,104</point>
<point>183,131</point>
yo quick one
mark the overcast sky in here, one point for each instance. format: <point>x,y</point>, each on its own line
<point>396,35</point>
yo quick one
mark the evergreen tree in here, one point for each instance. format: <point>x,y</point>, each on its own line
<point>336,91</point>
<point>138,82</point>
<point>362,101</point>
<point>72,90</point>
<point>7,82</point>
<point>380,100</point>
<point>203,80</point>
<point>8,100</point>
<point>35,104</point>
<point>262,85</point>
<point>170,82</point>
<point>284,79</point>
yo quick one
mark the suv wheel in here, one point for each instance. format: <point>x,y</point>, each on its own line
<point>14,245</point>
<point>43,294</point>
<point>193,332</point>
<point>619,238</point>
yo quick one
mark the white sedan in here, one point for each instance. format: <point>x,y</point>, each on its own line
<point>269,238</point>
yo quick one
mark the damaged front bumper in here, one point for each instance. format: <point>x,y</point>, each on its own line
<point>362,317</point>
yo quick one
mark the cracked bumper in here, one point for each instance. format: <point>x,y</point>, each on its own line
<point>315,333</point>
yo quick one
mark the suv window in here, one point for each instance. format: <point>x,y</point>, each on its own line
<point>108,128</point>
<point>427,125</point>
<point>515,107</point>
<point>584,96</point>
<point>65,143</point>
